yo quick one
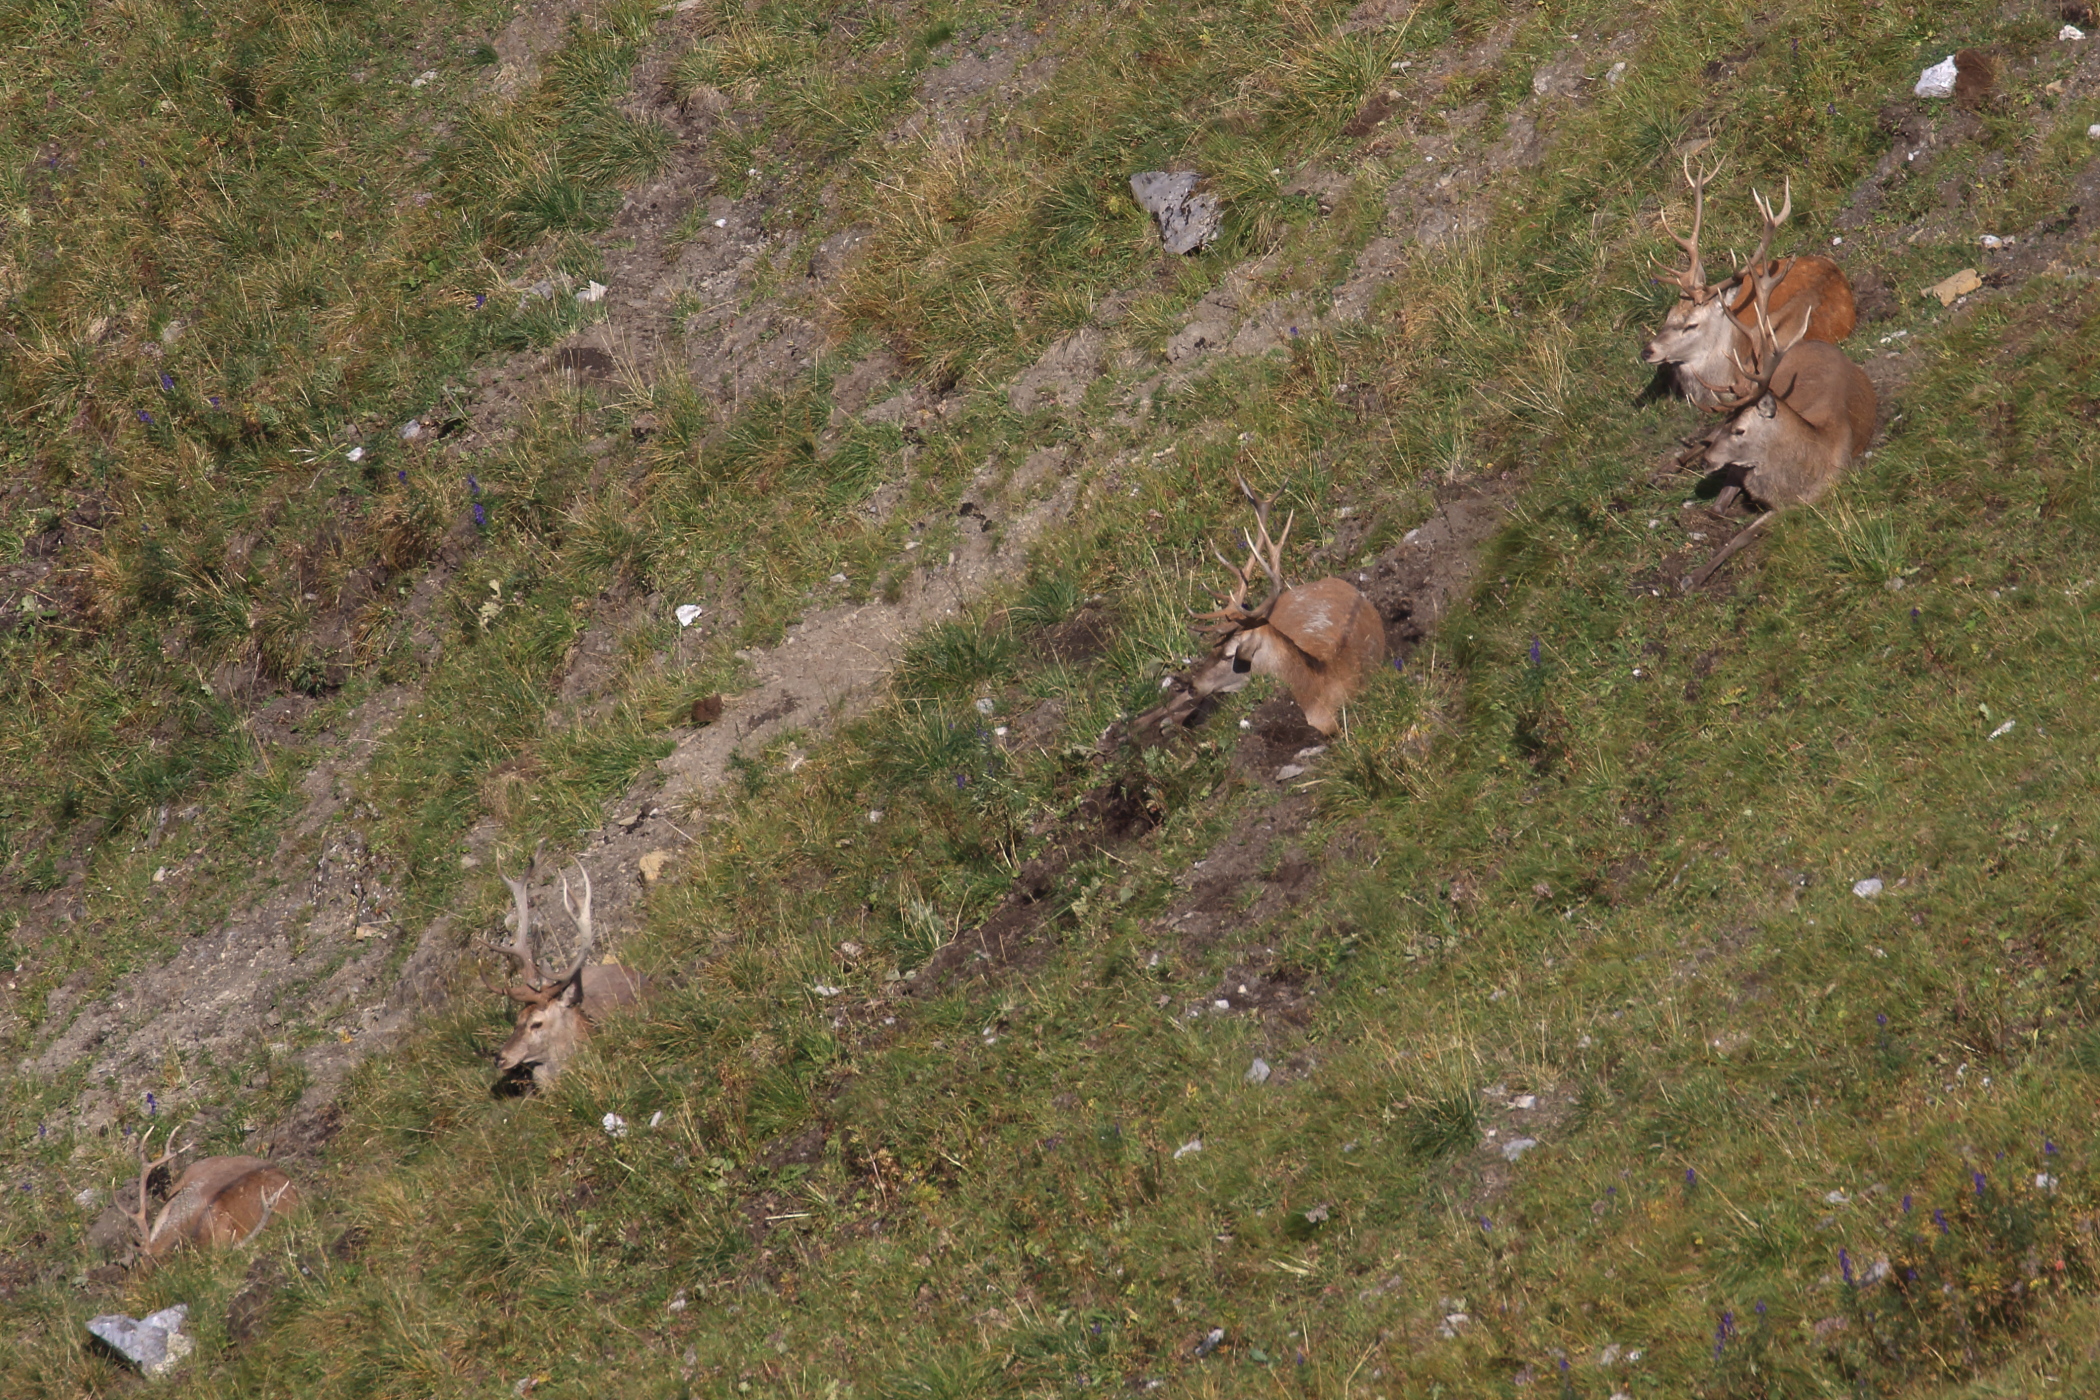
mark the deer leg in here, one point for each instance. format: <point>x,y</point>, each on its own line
<point>1742,537</point>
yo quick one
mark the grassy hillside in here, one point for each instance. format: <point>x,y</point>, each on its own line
<point>1584,871</point>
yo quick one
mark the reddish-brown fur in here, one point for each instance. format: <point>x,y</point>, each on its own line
<point>218,1200</point>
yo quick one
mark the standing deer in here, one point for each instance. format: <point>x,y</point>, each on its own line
<point>1801,415</point>
<point>1317,638</point>
<point>218,1200</point>
<point>1711,327</point>
<point>558,1012</point>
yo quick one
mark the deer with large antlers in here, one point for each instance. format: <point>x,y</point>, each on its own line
<point>1712,327</point>
<point>217,1201</point>
<point>1318,638</point>
<point>557,1012</point>
<point>1801,413</point>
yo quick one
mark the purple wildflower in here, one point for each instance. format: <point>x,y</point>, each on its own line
<point>1939,1218</point>
<point>473,485</point>
<point>961,782</point>
<point>212,399</point>
<point>1486,1224</point>
<point>1977,1177</point>
<point>1691,1178</point>
<point>2048,1147</point>
<point>481,299</point>
<point>1913,614</point>
<point>1881,1018</point>
<point>1845,1265</point>
<point>1906,1203</point>
<point>481,517</point>
<point>145,417</point>
<point>1534,651</point>
<point>1911,1275</point>
<point>152,1104</point>
<point>1398,663</point>
<point>167,382</point>
<point>402,477</point>
<point>1760,1307</point>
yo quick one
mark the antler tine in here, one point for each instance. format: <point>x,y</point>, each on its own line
<point>582,919</point>
<point>522,950</point>
<point>146,1170</point>
<point>1235,605</point>
<point>1693,278</point>
<point>1771,226</point>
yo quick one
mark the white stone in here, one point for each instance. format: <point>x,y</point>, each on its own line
<point>1938,80</point>
<point>615,1126</point>
<point>1867,888</point>
<point>1517,1147</point>
<point>2070,34</point>
<point>687,614</point>
<point>1192,1145</point>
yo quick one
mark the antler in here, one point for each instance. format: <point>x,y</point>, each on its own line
<point>1693,278</point>
<point>1262,552</point>
<point>1766,351</point>
<point>520,950</point>
<point>138,1217</point>
<point>585,936</point>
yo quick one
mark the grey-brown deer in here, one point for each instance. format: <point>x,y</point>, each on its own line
<point>1802,413</point>
<point>1712,327</point>
<point>216,1201</point>
<point>1319,639</point>
<point>557,1012</point>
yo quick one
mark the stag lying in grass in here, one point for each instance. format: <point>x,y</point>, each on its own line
<point>557,1012</point>
<point>1801,415</point>
<point>1319,639</point>
<point>217,1201</point>
<point>1712,327</point>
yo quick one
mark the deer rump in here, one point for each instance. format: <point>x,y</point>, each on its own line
<point>219,1201</point>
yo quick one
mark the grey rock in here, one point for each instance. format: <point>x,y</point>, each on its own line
<point>1188,221</point>
<point>154,1345</point>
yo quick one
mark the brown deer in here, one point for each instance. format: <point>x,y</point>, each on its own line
<point>217,1201</point>
<point>1801,415</point>
<point>1318,638</point>
<point>1711,327</point>
<point>557,1012</point>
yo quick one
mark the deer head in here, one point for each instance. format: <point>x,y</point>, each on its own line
<point>555,1012</point>
<point>1317,638</point>
<point>216,1201</point>
<point>1711,326</point>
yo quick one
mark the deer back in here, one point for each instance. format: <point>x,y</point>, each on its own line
<point>1812,288</point>
<point>220,1200</point>
<point>1319,639</point>
<point>1792,444</point>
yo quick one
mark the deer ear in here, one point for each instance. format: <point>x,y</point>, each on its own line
<point>1768,407</point>
<point>572,991</point>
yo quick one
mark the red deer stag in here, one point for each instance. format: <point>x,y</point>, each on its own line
<point>218,1200</point>
<point>1711,327</point>
<point>558,1012</point>
<point>1801,415</point>
<point>1318,638</point>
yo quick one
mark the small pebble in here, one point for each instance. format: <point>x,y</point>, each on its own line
<point>1867,888</point>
